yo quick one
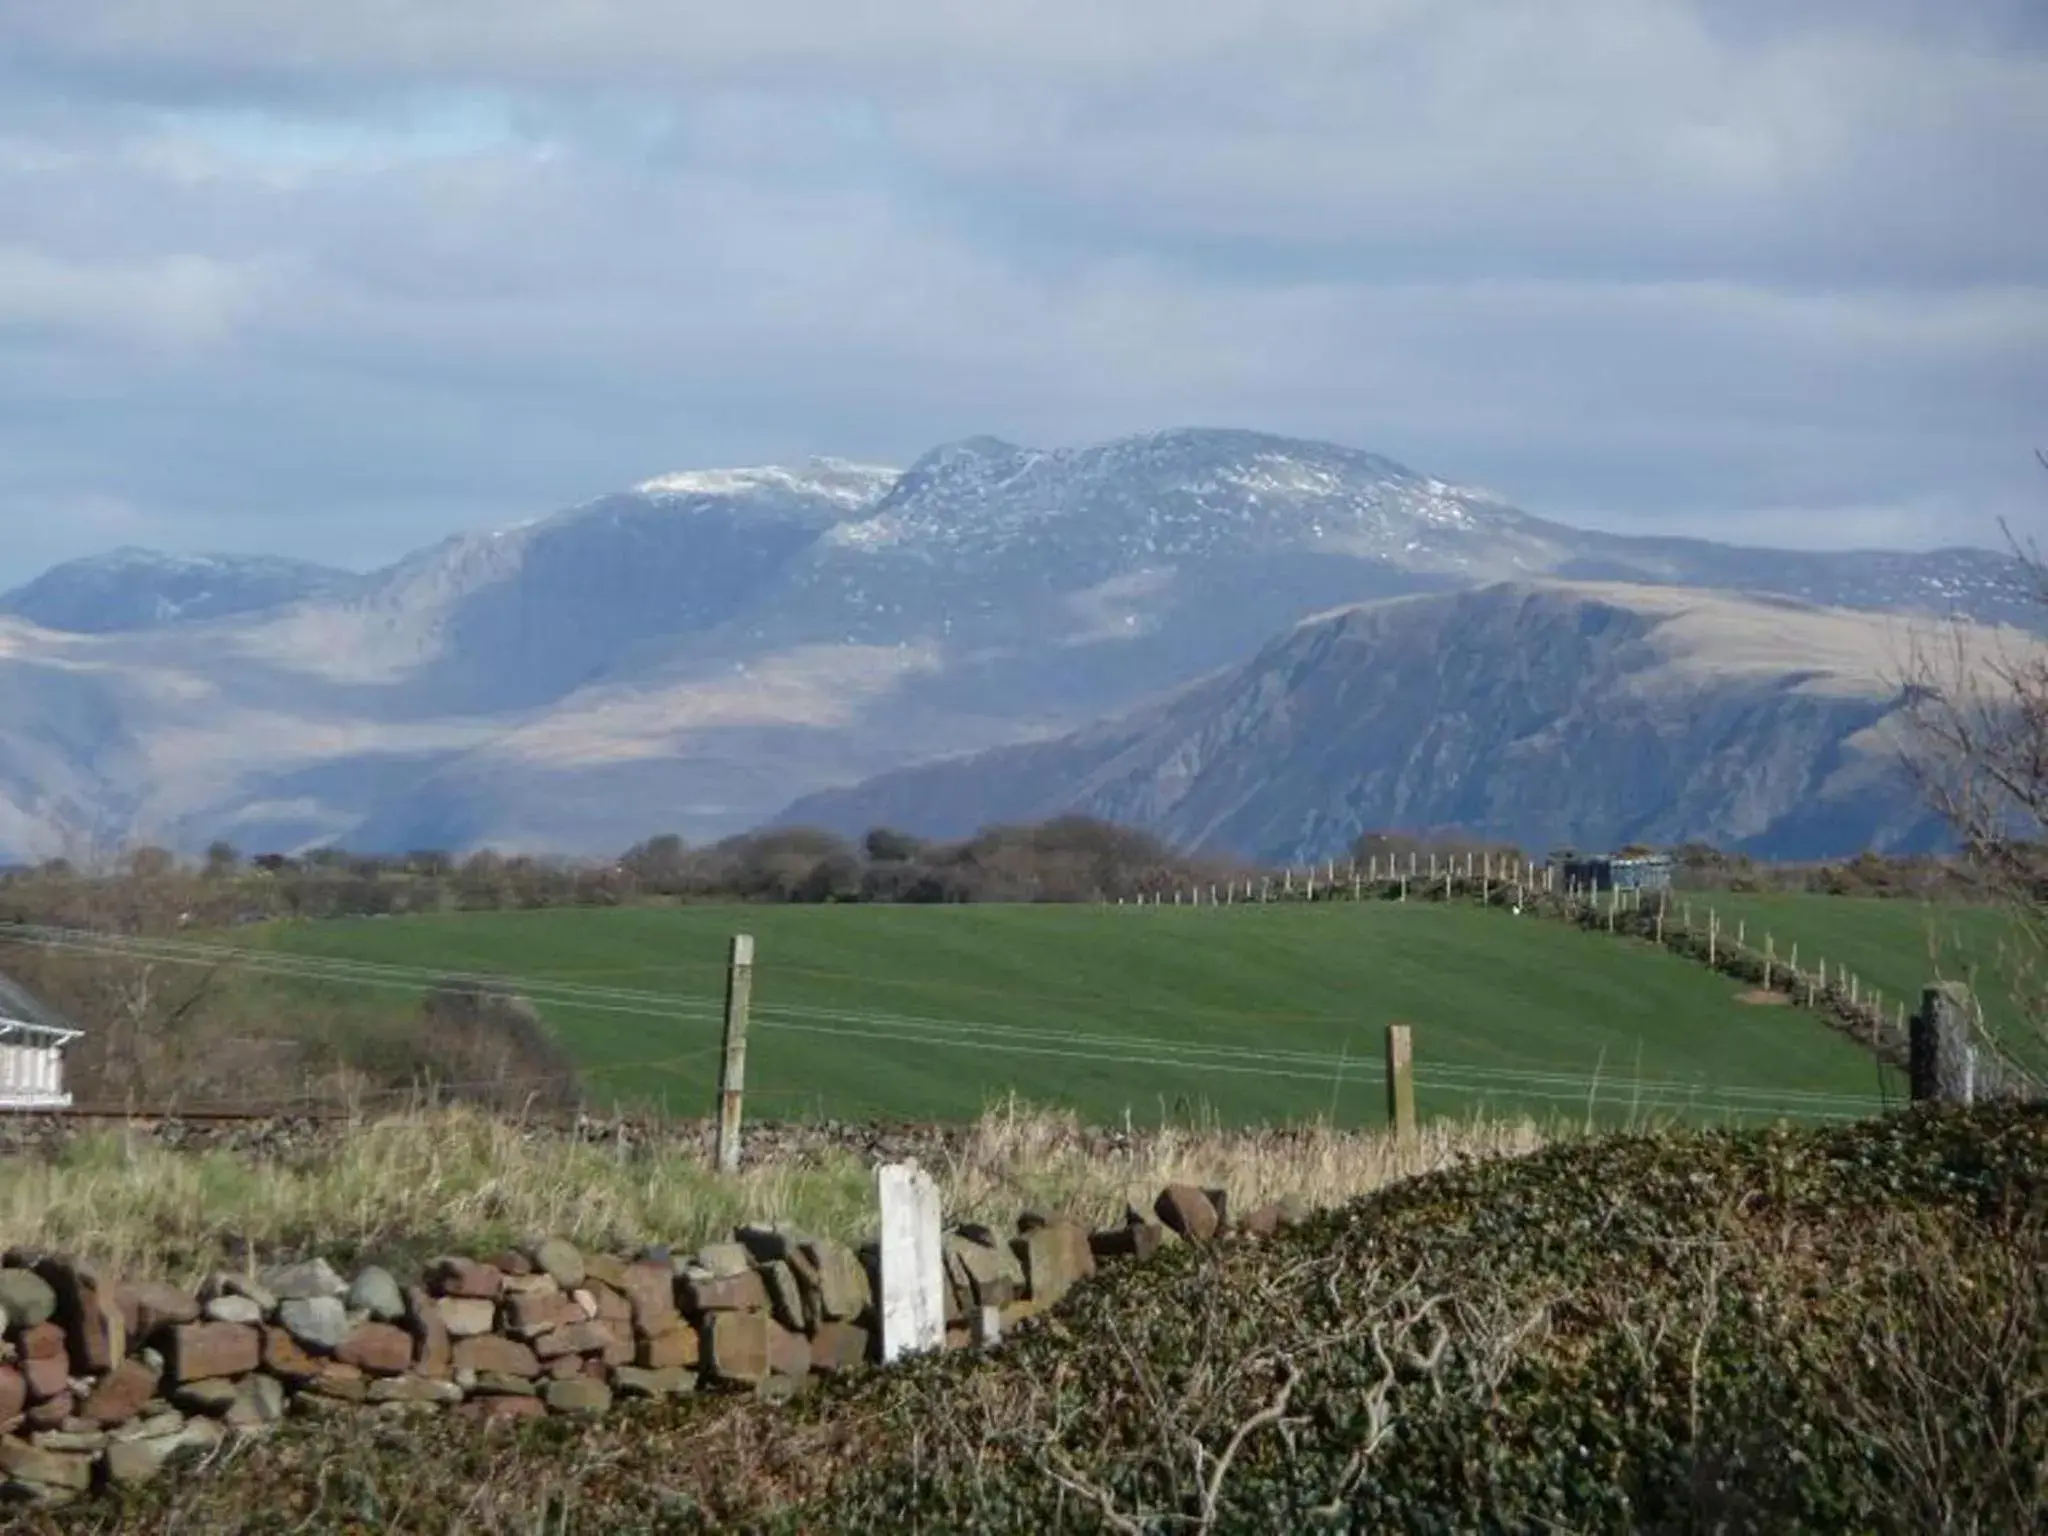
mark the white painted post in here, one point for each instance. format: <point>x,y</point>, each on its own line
<point>913,1261</point>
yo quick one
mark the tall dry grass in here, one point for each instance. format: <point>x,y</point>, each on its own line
<point>398,1186</point>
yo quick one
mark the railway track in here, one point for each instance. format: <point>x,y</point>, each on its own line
<point>198,1113</point>
<point>243,1114</point>
<point>197,1125</point>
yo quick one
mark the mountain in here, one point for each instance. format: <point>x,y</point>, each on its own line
<point>1541,713</point>
<point>131,589</point>
<point>521,617</point>
<point>702,649</point>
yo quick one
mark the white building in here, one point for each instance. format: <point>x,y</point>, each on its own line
<point>32,1044</point>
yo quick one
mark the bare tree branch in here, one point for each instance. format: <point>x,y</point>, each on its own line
<point>1977,713</point>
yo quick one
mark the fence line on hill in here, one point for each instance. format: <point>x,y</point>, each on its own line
<point>704,1013</point>
<point>1839,996</point>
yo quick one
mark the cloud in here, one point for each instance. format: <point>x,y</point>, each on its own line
<point>171,302</point>
<point>335,281</point>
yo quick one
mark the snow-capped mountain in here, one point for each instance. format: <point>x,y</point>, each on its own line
<point>128,589</point>
<point>520,616</point>
<point>695,652</point>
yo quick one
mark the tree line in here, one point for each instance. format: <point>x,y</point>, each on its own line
<point>1067,859</point>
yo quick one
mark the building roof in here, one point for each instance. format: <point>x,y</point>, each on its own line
<point>22,1012</point>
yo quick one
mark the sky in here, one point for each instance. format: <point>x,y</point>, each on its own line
<point>333,281</point>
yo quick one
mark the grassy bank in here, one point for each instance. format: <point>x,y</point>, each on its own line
<point>401,1186</point>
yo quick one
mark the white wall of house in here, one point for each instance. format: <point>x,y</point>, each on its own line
<point>31,1071</point>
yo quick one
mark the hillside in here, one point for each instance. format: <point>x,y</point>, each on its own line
<point>702,649</point>
<point>131,589</point>
<point>1240,1015</point>
<point>1537,713</point>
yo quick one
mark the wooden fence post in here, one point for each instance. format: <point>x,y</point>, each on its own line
<point>1401,1083</point>
<point>913,1268</point>
<point>1941,1061</point>
<point>732,1074</point>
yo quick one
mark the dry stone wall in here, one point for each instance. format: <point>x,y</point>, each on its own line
<point>108,1381</point>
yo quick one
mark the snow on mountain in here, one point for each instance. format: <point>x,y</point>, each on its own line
<point>837,482</point>
<point>519,615</point>
<point>1175,495</point>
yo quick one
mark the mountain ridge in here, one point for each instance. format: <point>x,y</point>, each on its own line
<point>699,651</point>
<point>1766,721</point>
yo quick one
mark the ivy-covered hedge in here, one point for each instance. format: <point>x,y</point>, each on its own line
<point>1834,1330</point>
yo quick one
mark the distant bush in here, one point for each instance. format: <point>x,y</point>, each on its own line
<point>474,1045</point>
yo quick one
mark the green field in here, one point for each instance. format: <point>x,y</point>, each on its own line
<point>1240,1014</point>
<point>1898,947</point>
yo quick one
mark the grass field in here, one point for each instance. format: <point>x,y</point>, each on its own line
<point>1241,1015</point>
<point>1898,947</point>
